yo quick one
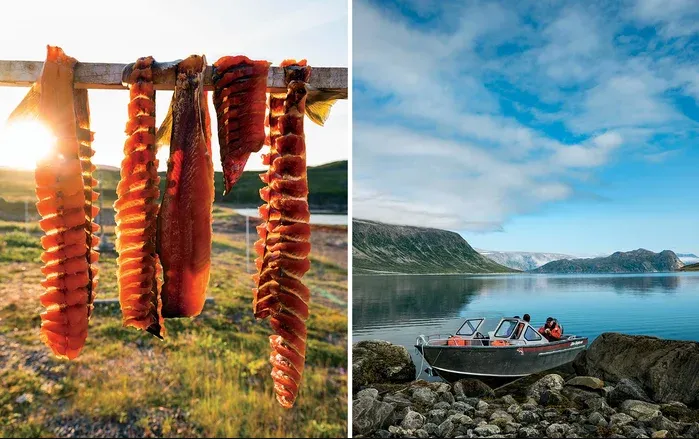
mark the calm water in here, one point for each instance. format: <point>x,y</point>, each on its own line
<point>399,308</point>
<point>316,218</point>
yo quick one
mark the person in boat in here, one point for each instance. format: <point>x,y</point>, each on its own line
<point>527,318</point>
<point>551,330</point>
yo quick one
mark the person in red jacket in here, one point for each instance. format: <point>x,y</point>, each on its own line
<point>551,330</point>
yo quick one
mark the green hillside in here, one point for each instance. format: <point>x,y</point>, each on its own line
<point>692,267</point>
<point>327,187</point>
<point>386,248</point>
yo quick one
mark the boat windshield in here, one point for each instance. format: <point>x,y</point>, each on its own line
<point>506,328</point>
<point>469,327</point>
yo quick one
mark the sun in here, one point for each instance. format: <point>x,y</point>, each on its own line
<point>24,143</point>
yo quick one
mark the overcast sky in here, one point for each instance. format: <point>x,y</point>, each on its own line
<point>536,126</point>
<point>120,33</point>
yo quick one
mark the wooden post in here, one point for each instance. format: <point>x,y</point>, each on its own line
<point>109,76</point>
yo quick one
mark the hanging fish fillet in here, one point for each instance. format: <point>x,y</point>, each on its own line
<point>284,242</point>
<point>136,208</point>
<point>240,87</point>
<point>184,221</point>
<point>64,188</point>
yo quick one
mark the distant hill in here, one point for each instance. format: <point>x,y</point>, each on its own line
<point>524,261</point>
<point>387,248</point>
<point>693,267</point>
<point>636,261</point>
<point>688,258</point>
<point>327,188</point>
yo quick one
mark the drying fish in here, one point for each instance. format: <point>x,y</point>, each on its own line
<point>136,208</point>
<point>240,95</point>
<point>284,242</point>
<point>184,222</point>
<point>64,188</point>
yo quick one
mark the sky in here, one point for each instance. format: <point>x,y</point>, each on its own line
<point>543,126</point>
<point>170,30</point>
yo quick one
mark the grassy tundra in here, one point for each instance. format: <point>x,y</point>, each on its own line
<point>209,377</point>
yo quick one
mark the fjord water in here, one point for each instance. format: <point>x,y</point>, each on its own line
<point>399,308</point>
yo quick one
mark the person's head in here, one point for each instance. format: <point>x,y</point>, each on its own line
<point>549,322</point>
<point>517,317</point>
<point>527,318</point>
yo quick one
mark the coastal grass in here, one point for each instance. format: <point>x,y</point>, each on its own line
<point>209,377</point>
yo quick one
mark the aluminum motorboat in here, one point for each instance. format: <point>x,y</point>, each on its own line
<point>513,349</point>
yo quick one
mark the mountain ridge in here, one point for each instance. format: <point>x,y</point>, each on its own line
<point>634,261</point>
<point>395,249</point>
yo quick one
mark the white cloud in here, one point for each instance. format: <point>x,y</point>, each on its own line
<point>443,151</point>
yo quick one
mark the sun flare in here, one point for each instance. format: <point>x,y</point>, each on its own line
<point>24,143</point>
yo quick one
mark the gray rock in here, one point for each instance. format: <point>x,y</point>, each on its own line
<point>442,405</point>
<point>462,407</point>
<point>528,432</point>
<point>529,406</point>
<point>376,361</point>
<point>501,415</point>
<point>578,395</point>
<point>487,430</point>
<point>557,430</point>
<point>413,421</point>
<point>399,431</point>
<point>422,434</point>
<point>370,414</point>
<point>508,400</point>
<point>440,387</point>
<point>527,417</point>
<point>597,419</point>
<point>368,393</point>
<point>640,410</point>
<point>666,368</point>
<point>620,419</point>
<point>382,433</point>
<point>472,401</point>
<point>397,399</point>
<point>472,388</point>
<point>431,428</point>
<point>424,396</point>
<point>661,434</point>
<point>692,431</point>
<point>675,409</point>
<point>445,429</point>
<point>446,397</point>
<point>461,419</point>
<point>627,389</point>
<point>552,398</point>
<point>633,431</point>
<point>436,416</point>
<point>514,409</point>
<point>549,382</point>
<point>600,405</point>
<point>663,423</point>
<point>586,381</point>
<point>482,405</point>
<point>550,415</point>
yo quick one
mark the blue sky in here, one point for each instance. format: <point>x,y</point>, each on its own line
<point>169,30</point>
<point>565,127</point>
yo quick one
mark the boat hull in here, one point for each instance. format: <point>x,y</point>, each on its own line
<point>456,362</point>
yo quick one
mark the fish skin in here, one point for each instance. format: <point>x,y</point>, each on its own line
<point>136,208</point>
<point>184,222</point>
<point>64,188</point>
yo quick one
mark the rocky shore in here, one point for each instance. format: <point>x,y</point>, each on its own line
<point>622,386</point>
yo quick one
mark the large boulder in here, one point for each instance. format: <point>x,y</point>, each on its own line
<point>468,387</point>
<point>666,369</point>
<point>380,362</point>
<point>627,389</point>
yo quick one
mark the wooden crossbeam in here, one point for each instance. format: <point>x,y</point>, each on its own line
<point>109,76</point>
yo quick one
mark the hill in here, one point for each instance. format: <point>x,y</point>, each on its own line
<point>522,260</point>
<point>387,248</point>
<point>327,187</point>
<point>636,261</point>
<point>693,267</point>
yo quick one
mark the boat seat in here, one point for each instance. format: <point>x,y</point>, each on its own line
<point>455,340</point>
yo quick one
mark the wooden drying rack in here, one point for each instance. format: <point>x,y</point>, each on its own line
<point>107,76</point>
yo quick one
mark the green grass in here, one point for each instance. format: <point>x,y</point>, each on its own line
<point>327,189</point>
<point>209,377</point>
